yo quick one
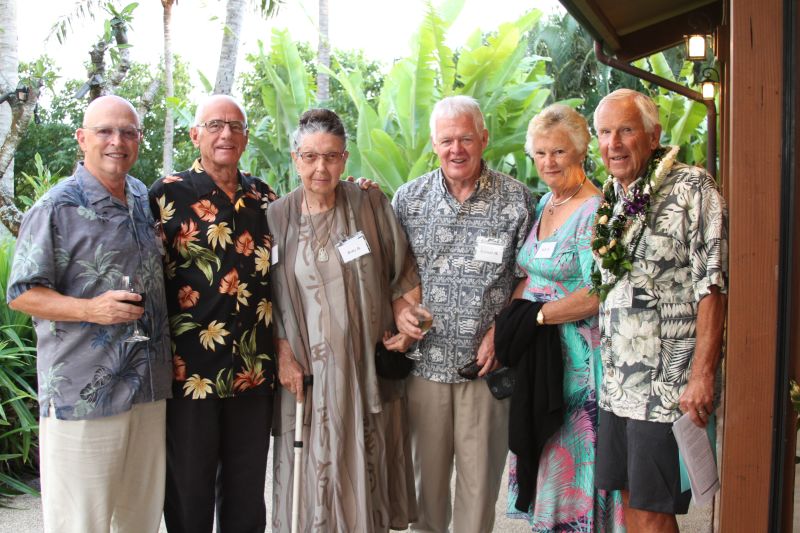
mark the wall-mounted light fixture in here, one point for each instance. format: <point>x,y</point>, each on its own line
<point>696,47</point>
<point>708,85</point>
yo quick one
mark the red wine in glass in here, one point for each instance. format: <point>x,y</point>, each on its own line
<point>134,286</point>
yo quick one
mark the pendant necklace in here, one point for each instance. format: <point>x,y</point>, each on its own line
<point>553,204</point>
<point>322,254</point>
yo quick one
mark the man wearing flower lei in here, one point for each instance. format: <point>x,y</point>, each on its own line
<point>660,243</point>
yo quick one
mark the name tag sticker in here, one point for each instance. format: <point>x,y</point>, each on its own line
<point>545,250</point>
<point>489,250</point>
<point>274,254</point>
<point>353,247</point>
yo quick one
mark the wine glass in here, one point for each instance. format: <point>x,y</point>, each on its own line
<point>134,286</point>
<point>424,317</point>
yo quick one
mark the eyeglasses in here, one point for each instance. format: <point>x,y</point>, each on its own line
<point>129,133</point>
<point>329,157</point>
<point>215,126</point>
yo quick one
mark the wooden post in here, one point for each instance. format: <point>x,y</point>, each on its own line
<point>753,165</point>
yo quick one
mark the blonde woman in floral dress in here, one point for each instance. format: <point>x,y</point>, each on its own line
<point>557,257</point>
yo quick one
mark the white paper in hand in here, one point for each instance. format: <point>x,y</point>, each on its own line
<point>699,459</point>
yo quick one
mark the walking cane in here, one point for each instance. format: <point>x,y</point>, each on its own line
<point>298,455</point>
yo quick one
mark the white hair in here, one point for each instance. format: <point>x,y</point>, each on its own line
<point>647,108</point>
<point>456,106</point>
<point>201,107</point>
<point>559,116</point>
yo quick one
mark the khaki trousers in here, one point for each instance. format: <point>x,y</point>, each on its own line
<point>460,421</point>
<point>105,474</point>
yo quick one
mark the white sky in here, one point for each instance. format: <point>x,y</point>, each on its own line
<point>382,28</point>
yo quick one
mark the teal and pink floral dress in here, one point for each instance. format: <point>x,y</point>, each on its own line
<point>566,499</point>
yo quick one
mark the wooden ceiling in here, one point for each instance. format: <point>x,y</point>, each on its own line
<point>631,29</point>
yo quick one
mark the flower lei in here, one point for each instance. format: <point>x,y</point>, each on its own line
<point>616,236</point>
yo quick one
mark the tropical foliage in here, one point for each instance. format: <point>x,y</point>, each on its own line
<point>391,139</point>
<point>18,411</point>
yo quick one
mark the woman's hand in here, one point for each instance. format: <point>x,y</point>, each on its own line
<point>290,373</point>
<point>399,342</point>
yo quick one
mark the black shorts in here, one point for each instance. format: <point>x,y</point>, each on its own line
<point>641,457</point>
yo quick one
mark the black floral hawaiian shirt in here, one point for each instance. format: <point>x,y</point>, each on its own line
<point>217,282</point>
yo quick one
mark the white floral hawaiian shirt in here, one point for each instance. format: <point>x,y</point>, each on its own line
<point>463,293</point>
<point>648,320</point>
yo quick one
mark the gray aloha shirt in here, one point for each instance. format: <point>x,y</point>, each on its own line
<point>79,241</point>
<point>648,320</point>
<point>464,294</point>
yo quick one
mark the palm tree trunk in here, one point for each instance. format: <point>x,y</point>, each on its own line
<point>323,53</point>
<point>169,88</point>
<point>9,64</point>
<point>230,47</point>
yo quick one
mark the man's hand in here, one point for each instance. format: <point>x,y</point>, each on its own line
<point>364,183</point>
<point>399,342</point>
<point>113,307</point>
<point>698,399</point>
<point>290,373</point>
<point>486,358</point>
<point>407,323</point>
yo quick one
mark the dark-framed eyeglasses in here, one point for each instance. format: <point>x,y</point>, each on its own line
<point>129,133</point>
<point>328,157</point>
<point>216,125</point>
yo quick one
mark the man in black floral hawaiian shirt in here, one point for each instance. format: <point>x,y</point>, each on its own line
<point>217,282</point>
<point>661,318</point>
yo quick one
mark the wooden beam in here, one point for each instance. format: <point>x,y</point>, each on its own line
<point>754,174</point>
<point>667,33</point>
<point>591,16</point>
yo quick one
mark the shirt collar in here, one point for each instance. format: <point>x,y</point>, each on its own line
<point>204,184</point>
<point>484,181</point>
<point>619,191</point>
<point>96,192</point>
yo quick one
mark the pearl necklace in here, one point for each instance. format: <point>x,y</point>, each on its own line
<point>553,204</point>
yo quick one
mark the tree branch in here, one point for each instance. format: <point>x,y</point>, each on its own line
<point>21,115</point>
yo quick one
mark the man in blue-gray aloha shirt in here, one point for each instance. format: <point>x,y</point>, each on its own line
<point>661,323</point>
<point>102,399</point>
<point>465,223</point>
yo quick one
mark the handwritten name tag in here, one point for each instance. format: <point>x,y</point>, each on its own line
<point>489,250</point>
<point>353,247</point>
<point>545,250</point>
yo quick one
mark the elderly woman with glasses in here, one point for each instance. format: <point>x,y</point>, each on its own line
<point>344,273</point>
<point>557,256</point>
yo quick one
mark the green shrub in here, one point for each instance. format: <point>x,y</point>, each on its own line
<point>18,409</point>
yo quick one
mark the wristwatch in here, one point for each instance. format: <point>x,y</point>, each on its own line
<point>540,317</point>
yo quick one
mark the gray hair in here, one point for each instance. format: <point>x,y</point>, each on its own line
<point>455,106</point>
<point>647,108</point>
<point>201,107</point>
<point>559,116</point>
<point>318,121</point>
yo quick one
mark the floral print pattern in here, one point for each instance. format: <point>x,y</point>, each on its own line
<point>648,319</point>
<point>79,241</point>
<point>566,499</point>
<point>218,252</point>
<point>463,293</point>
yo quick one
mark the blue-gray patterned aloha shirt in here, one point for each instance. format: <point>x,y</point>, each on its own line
<point>79,241</point>
<point>648,319</point>
<point>464,294</point>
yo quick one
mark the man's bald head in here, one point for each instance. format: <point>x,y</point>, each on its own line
<point>109,139</point>
<point>108,105</point>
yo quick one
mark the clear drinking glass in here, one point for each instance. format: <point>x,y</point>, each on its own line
<point>425,318</point>
<point>134,285</point>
